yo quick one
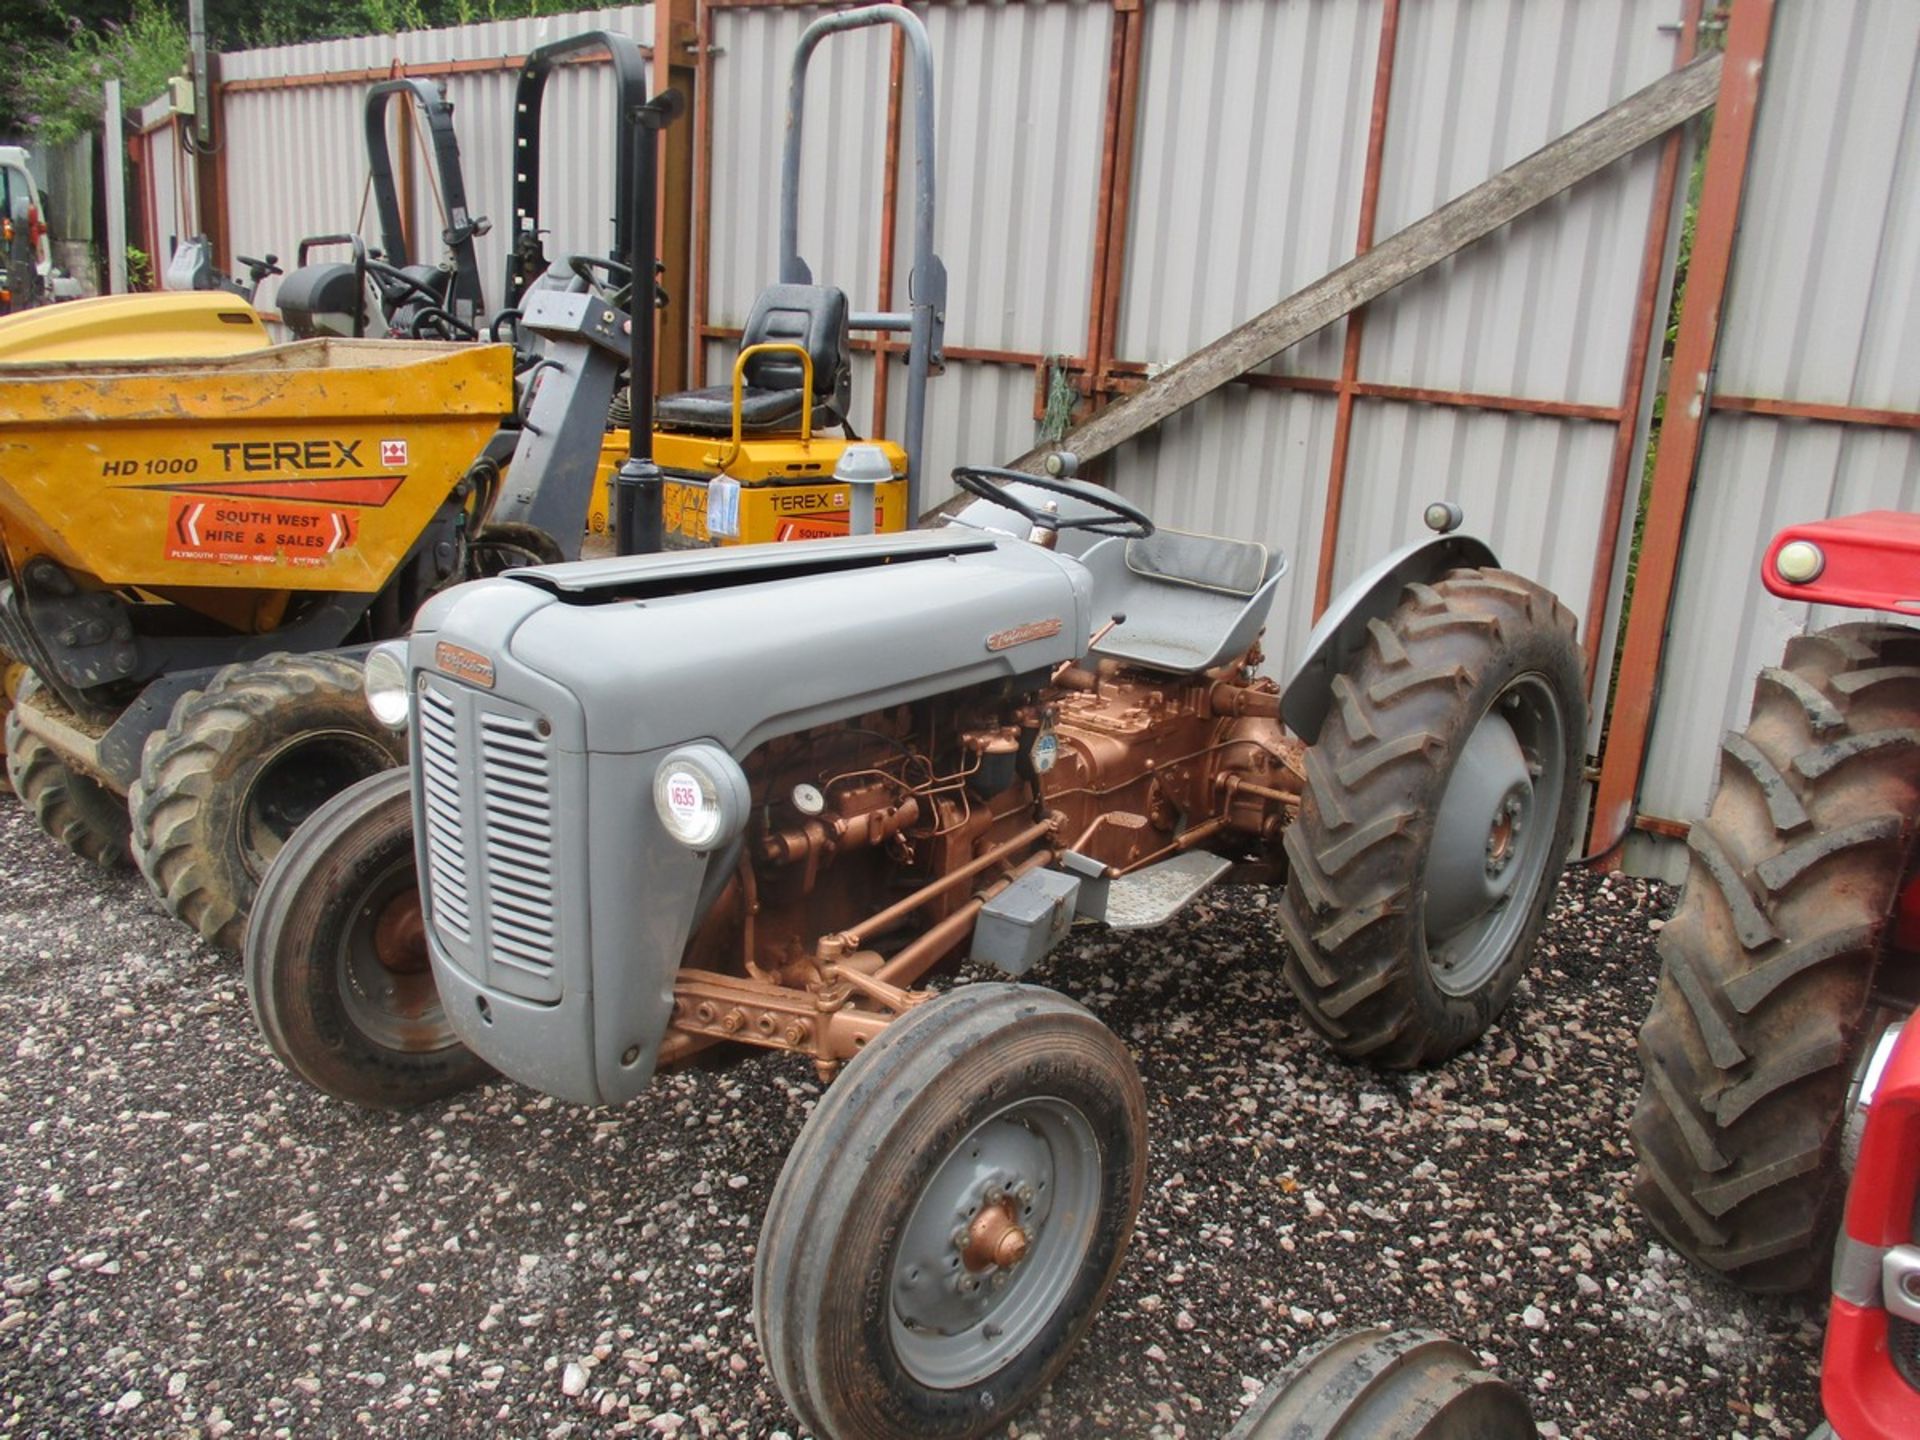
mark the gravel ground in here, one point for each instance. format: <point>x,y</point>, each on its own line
<point>194,1243</point>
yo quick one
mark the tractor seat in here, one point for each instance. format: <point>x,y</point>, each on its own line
<point>1191,601</point>
<point>811,315</point>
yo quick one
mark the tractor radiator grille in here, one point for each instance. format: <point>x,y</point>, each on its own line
<point>517,801</point>
<point>487,788</point>
<point>440,783</point>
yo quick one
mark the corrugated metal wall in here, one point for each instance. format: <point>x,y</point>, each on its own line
<point>1823,307</point>
<point>1247,180</point>
<point>1254,128</point>
<point>297,165</point>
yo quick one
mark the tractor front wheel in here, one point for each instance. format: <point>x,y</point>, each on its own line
<point>240,765</point>
<point>336,965</point>
<point>1438,808</point>
<point>952,1216</point>
<point>1768,967</point>
<point>1376,1385</point>
<point>77,810</point>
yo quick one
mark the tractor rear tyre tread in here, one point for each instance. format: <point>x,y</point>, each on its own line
<point>1769,962</point>
<point>75,809</point>
<point>1352,912</point>
<point>191,805</point>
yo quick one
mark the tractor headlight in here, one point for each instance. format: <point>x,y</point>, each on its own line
<point>701,794</point>
<point>389,695</point>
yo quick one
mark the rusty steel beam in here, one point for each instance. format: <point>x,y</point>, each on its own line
<point>1695,348</point>
<point>1812,410</point>
<point>1356,322</point>
<point>422,70</point>
<point>674,65</point>
<point>1111,209</point>
<point>1633,383</point>
<point>702,197</point>
<point>1131,374</point>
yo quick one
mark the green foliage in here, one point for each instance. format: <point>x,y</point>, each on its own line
<point>139,269</point>
<point>62,50</point>
<point>57,84</point>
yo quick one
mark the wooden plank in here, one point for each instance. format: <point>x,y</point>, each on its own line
<point>1650,113</point>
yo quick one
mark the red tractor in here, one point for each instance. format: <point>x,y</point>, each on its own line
<point>1787,970</point>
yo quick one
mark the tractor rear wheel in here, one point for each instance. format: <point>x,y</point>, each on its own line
<point>1376,1385</point>
<point>337,968</point>
<point>951,1217</point>
<point>240,765</point>
<point>1438,808</point>
<point>77,810</point>
<point>1769,964</point>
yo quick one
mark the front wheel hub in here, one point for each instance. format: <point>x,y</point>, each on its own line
<point>995,1239</point>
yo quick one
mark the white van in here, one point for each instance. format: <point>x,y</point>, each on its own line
<point>26,257</point>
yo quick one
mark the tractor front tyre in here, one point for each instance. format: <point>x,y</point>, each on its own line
<point>1437,811</point>
<point>1375,1385</point>
<point>1769,964</point>
<point>951,1217</point>
<point>336,961</point>
<point>239,766</point>
<point>75,809</point>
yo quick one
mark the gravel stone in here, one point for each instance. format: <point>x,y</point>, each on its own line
<point>193,1241</point>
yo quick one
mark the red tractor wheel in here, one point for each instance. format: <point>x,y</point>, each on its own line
<point>1768,983</point>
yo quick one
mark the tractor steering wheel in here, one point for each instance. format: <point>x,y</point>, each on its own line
<point>990,482</point>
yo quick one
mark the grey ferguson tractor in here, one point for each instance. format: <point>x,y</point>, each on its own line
<point>758,796</point>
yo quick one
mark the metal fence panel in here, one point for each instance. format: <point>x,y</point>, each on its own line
<point>1821,309</point>
<point>1260,185</point>
<point>296,160</point>
<point>840,165</point>
<point>1543,308</point>
<point>1247,181</point>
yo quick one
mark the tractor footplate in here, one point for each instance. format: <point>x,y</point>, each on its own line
<point>1156,894</point>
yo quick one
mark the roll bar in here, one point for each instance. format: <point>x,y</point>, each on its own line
<point>925,319</point>
<point>526,255</point>
<point>463,227</point>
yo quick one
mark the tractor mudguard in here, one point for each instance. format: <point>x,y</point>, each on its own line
<point>1340,633</point>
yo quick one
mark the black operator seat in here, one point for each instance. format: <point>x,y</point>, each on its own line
<point>811,315</point>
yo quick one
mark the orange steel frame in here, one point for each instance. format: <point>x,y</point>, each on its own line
<point>1688,404</point>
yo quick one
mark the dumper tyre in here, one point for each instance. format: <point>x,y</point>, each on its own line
<point>1437,811</point>
<point>77,810</point>
<point>239,766</point>
<point>951,1217</point>
<point>1772,967</point>
<point>1376,1384</point>
<point>336,960</point>
<point>12,676</point>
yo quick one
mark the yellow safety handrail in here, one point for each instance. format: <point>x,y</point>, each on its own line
<point>739,393</point>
